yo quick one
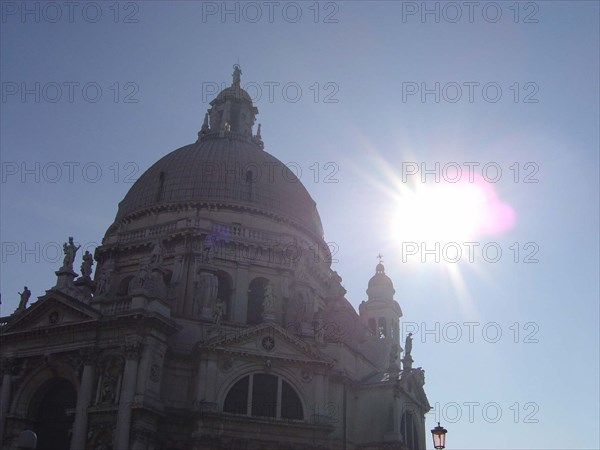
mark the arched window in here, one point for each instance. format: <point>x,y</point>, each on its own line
<point>409,431</point>
<point>372,325</point>
<point>264,395</point>
<point>256,297</point>
<point>381,331</point>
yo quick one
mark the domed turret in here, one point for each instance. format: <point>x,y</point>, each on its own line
<point>380,312</point>
<point>232,111</point>
<point>380,285</point>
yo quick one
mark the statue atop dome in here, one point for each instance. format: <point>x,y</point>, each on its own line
<point>237,72</point>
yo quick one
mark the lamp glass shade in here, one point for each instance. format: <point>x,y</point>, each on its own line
<point>439,437</point>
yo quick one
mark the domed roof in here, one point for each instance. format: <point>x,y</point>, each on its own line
<point>227,172</point>
<point>380,285</point>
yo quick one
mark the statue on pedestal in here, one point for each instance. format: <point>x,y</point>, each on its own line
<point>156,256</point>
<point>408,345</point>
<point>219,311</point>
<point>206,288</point>
<point>69,249</point>
<point>86,265</point>
<point>268,300</point>
<point>25,295</point>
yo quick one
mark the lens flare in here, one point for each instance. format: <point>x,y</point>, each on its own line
<point>451,212</point>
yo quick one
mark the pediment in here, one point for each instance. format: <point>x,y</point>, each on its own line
<point>267,340</point>
<point>52,309</point>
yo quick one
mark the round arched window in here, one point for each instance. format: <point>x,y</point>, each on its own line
<point>264,395</point>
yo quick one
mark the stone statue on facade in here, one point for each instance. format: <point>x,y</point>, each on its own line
<point>107,394</point>
<point>25,295</point>
<point>86,265</point>
<point>268,303</point>
<point>69,249</point>
<point>156,256</point>
<point>206,289</point>
<point>219,311</point>
<point>408,345</point>
<point>207,250</point>
<point>269,298</point>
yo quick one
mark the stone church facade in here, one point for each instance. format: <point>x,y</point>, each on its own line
<point>213,320</point>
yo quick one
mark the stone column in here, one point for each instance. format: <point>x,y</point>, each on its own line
<point>132,350</point>
<point>7,370</point>
<point>84,399</point>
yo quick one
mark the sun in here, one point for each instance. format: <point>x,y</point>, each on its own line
<point>449,212</point>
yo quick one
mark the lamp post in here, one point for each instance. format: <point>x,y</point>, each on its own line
<point>439,437</point>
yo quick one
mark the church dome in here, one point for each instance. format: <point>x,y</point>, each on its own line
<point>224,172</point>
<point>234,92</point>
<point>226,168</point>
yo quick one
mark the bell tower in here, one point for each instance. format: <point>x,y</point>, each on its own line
<point>381,313</point>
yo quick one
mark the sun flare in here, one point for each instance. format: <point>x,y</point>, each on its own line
<point>450,212</point>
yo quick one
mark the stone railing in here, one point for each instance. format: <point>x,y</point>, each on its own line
<point>116,307</point>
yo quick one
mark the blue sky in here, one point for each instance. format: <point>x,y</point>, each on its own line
<point>120,85</point>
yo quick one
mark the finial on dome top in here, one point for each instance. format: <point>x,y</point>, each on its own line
<point>237,72</point>
<point>380,268</point>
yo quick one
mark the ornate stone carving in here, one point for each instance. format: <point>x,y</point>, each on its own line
<point>53,318</point>
<point>268,343</point>
<point>132,349</point>
<point>226,365</point>
<point>155,373</point>
<point>305,375</point>
<point>103,285</point>
<point>110,372</point>
<point>148,281</point>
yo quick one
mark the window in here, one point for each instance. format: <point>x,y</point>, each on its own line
<point>161,187</point>
<point>264,395</point>
<point>381,328</point>
<point>372,324</point>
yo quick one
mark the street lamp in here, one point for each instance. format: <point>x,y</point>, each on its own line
<point>439,437</point>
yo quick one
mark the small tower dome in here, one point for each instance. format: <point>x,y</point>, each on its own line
<point>380,285</point>
<point>381,313</point>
